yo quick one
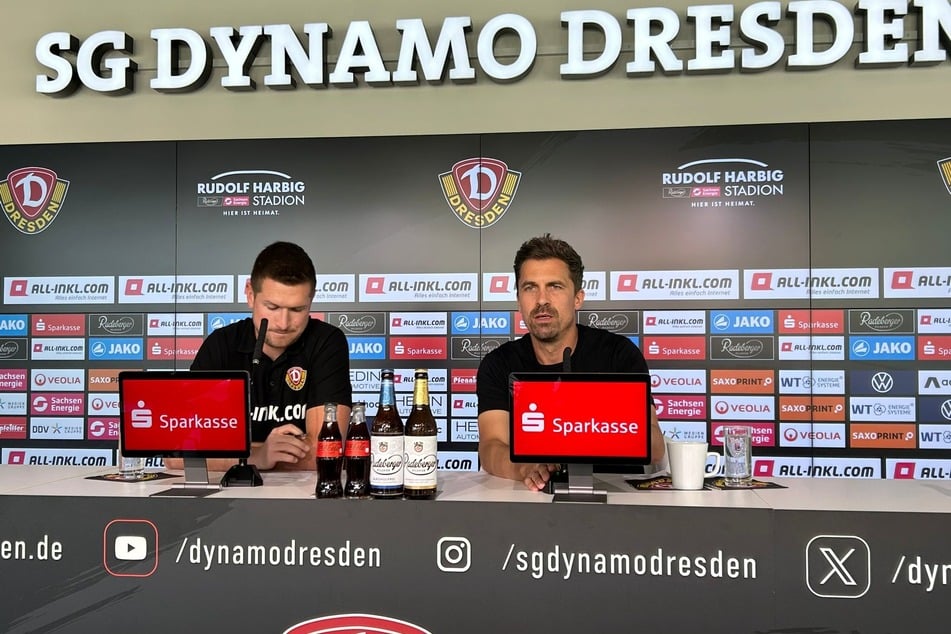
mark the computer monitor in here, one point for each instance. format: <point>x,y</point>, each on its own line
<point>580,419</point>
<point>190,415</point>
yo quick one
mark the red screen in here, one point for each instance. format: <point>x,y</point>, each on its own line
<point>589,421</point>
<point>184,415</point>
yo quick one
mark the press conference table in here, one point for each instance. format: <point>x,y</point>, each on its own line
<point>820,555</point>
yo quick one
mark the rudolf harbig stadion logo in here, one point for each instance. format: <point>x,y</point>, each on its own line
<point>479,190</point>
<point>32,197</point>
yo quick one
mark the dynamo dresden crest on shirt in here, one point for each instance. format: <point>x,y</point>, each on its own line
<point>32,198</point>
<point>295,378</point>
<point>479,190</point>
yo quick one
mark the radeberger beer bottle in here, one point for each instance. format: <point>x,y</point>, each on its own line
<point>419,444</point>
<point>386,444</point>
<point>329,455</point>
<point>356,453</point>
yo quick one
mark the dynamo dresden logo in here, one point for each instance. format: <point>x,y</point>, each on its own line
<point>479,190</point>
<point>32,198</point>
<point>944,168</point>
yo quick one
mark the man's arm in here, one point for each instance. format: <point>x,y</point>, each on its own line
<point>658,447</point>
<point>494,452</point>
<point>314,421</point>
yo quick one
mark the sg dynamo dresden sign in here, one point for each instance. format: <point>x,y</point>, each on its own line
<point>32,198</point>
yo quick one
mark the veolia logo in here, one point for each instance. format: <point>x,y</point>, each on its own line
<point>355,624</point>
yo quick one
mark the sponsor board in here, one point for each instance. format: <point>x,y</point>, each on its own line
<point>882,436</point>
<point>418,324</point>
<point>685,348</point>
<point>930,320</point>
<point>826,435</point>
<point>115,349</point>
<point>812,381</point>
<point>675,285</point>
<point>473,348</point>
<point>595,286</point>
<point>463,380</point>
<point>881,322</point>
<point>458,461</point>
<point>899,469</point>
<point>931,282</point>
<point>817,408</point>
<point>621,322</point>
<point>934,381</point>
<point>177,289</point>
<point>882,348</point>
<point>810,322</point>
<point>56,325</point>
<point>419,287</point>
<point>116,325</point>
<point>708,183</point>
<point>404,379</point>
<point>175,325</point>
<point>741,348</point>
<point>934,409</point>
<point>367,347</point>
<point>57,404</point>
<point>761,434</point>
<point>679,381</point>
<point>57,428</point>
<point>331,289</point>
<point>13,380</point>
<point>59,290</point>
<point>464,405</point>
<point>103,380</point>
<point>742,322</point>
<point>679,322</point>
<point>810,284</point>
<point>172,348</point>
<point>793,467</point>
<point>98,428</point>
<point>811,348</point>
<point>54,457</point>
<point>684,430</point>
<point>53,380</point>
<point>680,407</point>
<point>882,409</point>
<point>743,407</point>
<point>498,287</point>
<point>14,326</point>
<point>12,404</point>
<point>13,349</point>
<point>934,348</point>
<point>359,323</point>
<point>58,349</point>
<point>103,405</point>
<point>220,320</point>
<point>12,427</point>
<point>479,190</point>
<point>484,323</point>
<point>519,323</point>
<point>742,382</point>
<point>885,382</point>
<point>464,430</point>
<point>418,348</point>
<point>934,436</point>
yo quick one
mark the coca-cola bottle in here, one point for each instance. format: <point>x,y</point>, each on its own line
<point>356,453</point>
<point>419,444</point>
<point>386,444</point>
<point>329,455</point>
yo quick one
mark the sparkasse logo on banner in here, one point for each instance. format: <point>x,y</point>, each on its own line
<point>32,198</point>
<point>59,290</point>
<point>419,287</point>
<point>479,190</point>
<point>171,289</point>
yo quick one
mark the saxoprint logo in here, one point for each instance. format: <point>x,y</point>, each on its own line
<point>838,566</point>
<point>32,198</point>
<point>479,190</point>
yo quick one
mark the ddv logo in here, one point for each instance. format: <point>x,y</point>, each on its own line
<point>881,348</point>
<point>746,322</point>
<point>113,348</point>
<point>367,347</point>
<point>838,566</point>
<point>493,323</point>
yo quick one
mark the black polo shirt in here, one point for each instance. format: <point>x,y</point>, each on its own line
<point>312,371</point>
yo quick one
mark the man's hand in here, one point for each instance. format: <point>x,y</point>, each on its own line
<point>284,444</point>
<point>535,476</point>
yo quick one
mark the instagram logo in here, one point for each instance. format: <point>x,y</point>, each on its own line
<point>453,554</point>
<point>533,420</point>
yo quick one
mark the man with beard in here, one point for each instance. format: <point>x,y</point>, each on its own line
<point>548,276</point>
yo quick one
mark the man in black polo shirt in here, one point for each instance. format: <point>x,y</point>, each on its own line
<point>305,362</point>
<point>548,276</point>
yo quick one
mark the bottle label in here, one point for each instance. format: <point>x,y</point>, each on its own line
<point>420,462</point>
<point>386,461</point>
<point>329,449</point>
<point>357,449</point>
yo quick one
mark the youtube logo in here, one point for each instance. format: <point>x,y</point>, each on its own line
<point>131,547</point>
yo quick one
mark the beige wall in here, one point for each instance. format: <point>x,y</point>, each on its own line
<point>541,101</point>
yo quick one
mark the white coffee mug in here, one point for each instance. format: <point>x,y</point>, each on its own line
<point>688,463</point>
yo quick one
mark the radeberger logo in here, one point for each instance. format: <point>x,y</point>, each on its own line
<point>32,198</point>
<point>479,190</point>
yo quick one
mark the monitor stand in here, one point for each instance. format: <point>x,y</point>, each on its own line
<point>196,481</point>
<point>580,486</point>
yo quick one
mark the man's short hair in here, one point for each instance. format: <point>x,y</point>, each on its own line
<point>283,262</point>
<point>547,248</point>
